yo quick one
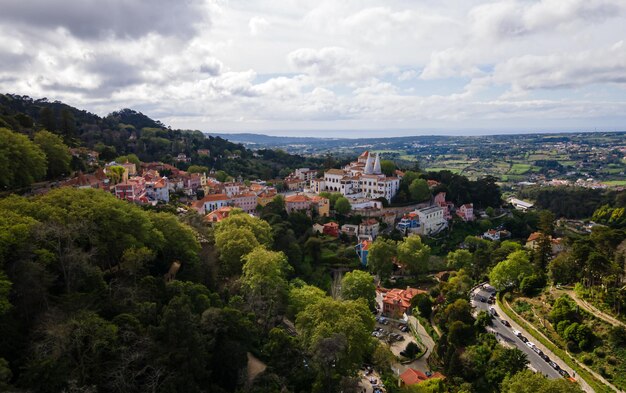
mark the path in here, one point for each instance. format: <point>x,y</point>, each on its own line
<point>255,367</point>
<point>590,308</point>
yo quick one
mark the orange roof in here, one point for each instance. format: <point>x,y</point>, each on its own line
<point>365,245</point>
<point>331,224</point>
<point>296,198</point>
<point>411,376</point>
<point>369,221</point>
<point>534,236</point>
<point>214,197</point>
<point>365,154</point>
<point>402,296</point>
<point>219,214</point>
<point>335,172</point>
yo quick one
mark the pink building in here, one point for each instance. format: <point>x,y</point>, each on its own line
<point>466,212</point>
<point>133,190</point>
<point>246,201</point>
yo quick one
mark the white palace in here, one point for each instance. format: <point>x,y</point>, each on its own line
<point>360,179</point>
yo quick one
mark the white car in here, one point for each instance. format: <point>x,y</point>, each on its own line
<point>530,345</point>
<point>516,332</point>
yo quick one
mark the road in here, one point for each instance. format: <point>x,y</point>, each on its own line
<point>505,335</point>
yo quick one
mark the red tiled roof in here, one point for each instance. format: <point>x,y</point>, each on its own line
<point>411,376</point>
<point>214,197</point>
<point>296,198</point>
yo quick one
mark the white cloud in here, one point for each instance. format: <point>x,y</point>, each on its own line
<point>295,64</point>
<point>257,24</point>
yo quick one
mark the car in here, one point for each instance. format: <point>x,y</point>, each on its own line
<point>517,332</point>
<point>564,373</point>
<point>482,299</point>
<point>505,323</point>
<point>546,358</point>
<point>524,339</point>
<point>537,351</point>
<point>404,328</point>
<point>554,365</point>
<point>400,338</point>
<point>529,344</point>
<point>490,301</point>
<point>492,311</point>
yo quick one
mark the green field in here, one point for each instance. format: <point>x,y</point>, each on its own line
<point>519,169</point>
<point>615,182</point>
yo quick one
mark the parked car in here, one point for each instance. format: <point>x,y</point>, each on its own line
<point>517,332</point>
<point>490,301</point>
<point>404,328</point>
<point>492,311</point>
<point>554,365</point>
<point>524,339</point>
<point>564,373</point>
<point>530,344</point>
<point>545,357</point>
<point>505,323</point>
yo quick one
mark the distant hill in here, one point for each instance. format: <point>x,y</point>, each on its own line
<point>261,139</point>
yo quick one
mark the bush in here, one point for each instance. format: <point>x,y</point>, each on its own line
<point>588,360</point>
<point>531,285</point>
<point>599,352</point>
<point>612,360</point>
<point>572,346</point>
<point>602,371</point>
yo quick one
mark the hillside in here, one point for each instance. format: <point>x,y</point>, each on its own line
<point>130,132</point>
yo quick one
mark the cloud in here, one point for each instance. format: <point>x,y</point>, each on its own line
<point>510,18</point>
<point>257,24</point>
<point>93,19</point>
<point>298,64</point>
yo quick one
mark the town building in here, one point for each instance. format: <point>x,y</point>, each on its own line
<point>496,234</point>
<point>246,201</point>
<point>411,376</point>
<point>219,214</point>
<point>369,228</point>
<point>466,212</point>
<point>331,229</point>
<point>360,179</point>
<point>362,250</point>
<point>132,190</point>
<point>397,302</point>
<point>431,220</point>
<point>519,204</point>
<point>210,203</point>
<point>557,244</point>
<point>308,204</point>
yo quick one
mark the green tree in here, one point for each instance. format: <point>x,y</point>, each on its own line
<point>197,169</point>
<point>57,153</point>
<point>21,161</point>
<point>380,257</point>
<point>424,304</point>
<point>358,284</point>
<point>342,206</point>
<point>132,158</point>
<point>510,272</point>
<point>47,119</point>
<point>419,190</point>
<point>388,167</point>
<point>459,259</point>
<point>338,333</point>
<point>115,173</point>
<point>301,297</point>
<point>414,254</point>
<point>233,243</point>
<point>238,219</point>
<point>264,283</point>
<point>67,126</point>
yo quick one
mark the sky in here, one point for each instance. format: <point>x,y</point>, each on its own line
<point>326,68</point>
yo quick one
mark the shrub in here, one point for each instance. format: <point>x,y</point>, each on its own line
<point>602,371</point>
<point>599,352</point>
<point>572,346</point>
<point>612,360</point>
<point>588,360</point>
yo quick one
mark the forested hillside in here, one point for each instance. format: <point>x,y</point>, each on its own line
<point>129,132</point>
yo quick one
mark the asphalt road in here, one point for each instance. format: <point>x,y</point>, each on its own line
<point>505,334</point>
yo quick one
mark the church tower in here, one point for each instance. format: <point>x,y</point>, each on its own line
<point>376,170</point>
<point>369,165</point>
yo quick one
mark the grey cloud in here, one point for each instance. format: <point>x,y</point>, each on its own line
<point>92,19</point>
<point>212,67</point>
<point>115,72</point>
